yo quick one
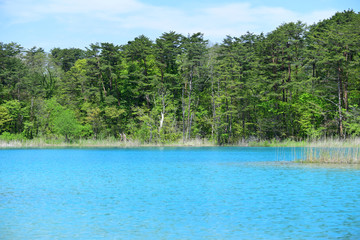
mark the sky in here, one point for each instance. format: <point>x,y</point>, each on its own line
<point>78,23</point>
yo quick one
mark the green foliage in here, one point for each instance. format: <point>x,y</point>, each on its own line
<point>16,115</point>
<point>310,113</point>
<point>66,58</point>
<point>5,119</point>
<point>113,120</point>
<point>352,124</point>
<point>93,118</point>
<point>296,82</point>
<point>66,124</point>
<point>54,120</point>
<point>6,136</point>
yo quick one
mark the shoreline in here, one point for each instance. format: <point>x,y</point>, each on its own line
<point>46,144</point>
<point>112,143</point>
<point>318,152</point>
<point>322,153</point>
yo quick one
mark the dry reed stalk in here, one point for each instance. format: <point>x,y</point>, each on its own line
<point>348,155</point>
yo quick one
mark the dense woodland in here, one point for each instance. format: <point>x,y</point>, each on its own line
<point>295,82</point>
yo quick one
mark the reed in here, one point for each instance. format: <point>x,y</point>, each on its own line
<point>312,151</point>
<point>342,155</point>
<point>97,143</point>
<point>55,143</point>
<point>332,150</point>
<point>324,142</point>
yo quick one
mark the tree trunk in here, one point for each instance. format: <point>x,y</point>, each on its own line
<point>213,108</point>
<point>101,76</point>
<point>183,112</point>
<point>162,113</point>
<point>345,93</point>
<point>189,103</point>
<point>339,81</point>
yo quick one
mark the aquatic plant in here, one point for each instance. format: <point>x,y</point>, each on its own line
<point>348,155</point>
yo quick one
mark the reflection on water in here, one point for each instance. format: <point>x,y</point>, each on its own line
<point>174,193</point>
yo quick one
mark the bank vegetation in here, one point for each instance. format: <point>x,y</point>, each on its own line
<point>295,83</point>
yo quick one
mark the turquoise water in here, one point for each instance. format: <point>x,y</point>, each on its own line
<point>174,193</point>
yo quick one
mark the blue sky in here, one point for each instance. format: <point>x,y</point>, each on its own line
<point>77,23</point>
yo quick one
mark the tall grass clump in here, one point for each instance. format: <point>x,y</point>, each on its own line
<point>332,150</point>
<point>343,155</point>
<point>108,142</point>
<point>334,142</point>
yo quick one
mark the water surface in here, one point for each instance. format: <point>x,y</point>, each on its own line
<point>174,193</point>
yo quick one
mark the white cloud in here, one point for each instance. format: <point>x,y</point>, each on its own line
<point>317,16</point>
<point>244,17</point>
<point>110,16</point>
<point>27,10</point>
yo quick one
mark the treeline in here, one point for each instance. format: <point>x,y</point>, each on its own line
<point>295,82</point>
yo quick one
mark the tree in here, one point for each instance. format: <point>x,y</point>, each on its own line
<point>16,115</point>
<point>193,72</point>
<point>282,52</point>
<point>5,119</point>
<point>66,124</point>
<point>335,50</point>
<point>110,62</point>
<point>167,82</point>
<point>140,58</point>
<point>294,82</point>
<point>66,58</point>
<point>229,75</point>
<point>12,70</point>
<point>113,120</point>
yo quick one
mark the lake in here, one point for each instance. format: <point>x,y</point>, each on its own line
<point>174,193</point>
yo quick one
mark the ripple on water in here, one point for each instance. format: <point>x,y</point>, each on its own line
<point>204,193</point>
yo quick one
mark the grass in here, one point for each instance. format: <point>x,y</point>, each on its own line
<point>94,143</point>
<point>313,151</point>
<point>112,142</point>
<point>325,142</point>
<point>323,151</point>
<point>338,155</point>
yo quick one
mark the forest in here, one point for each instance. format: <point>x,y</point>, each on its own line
<point>296,82</point>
